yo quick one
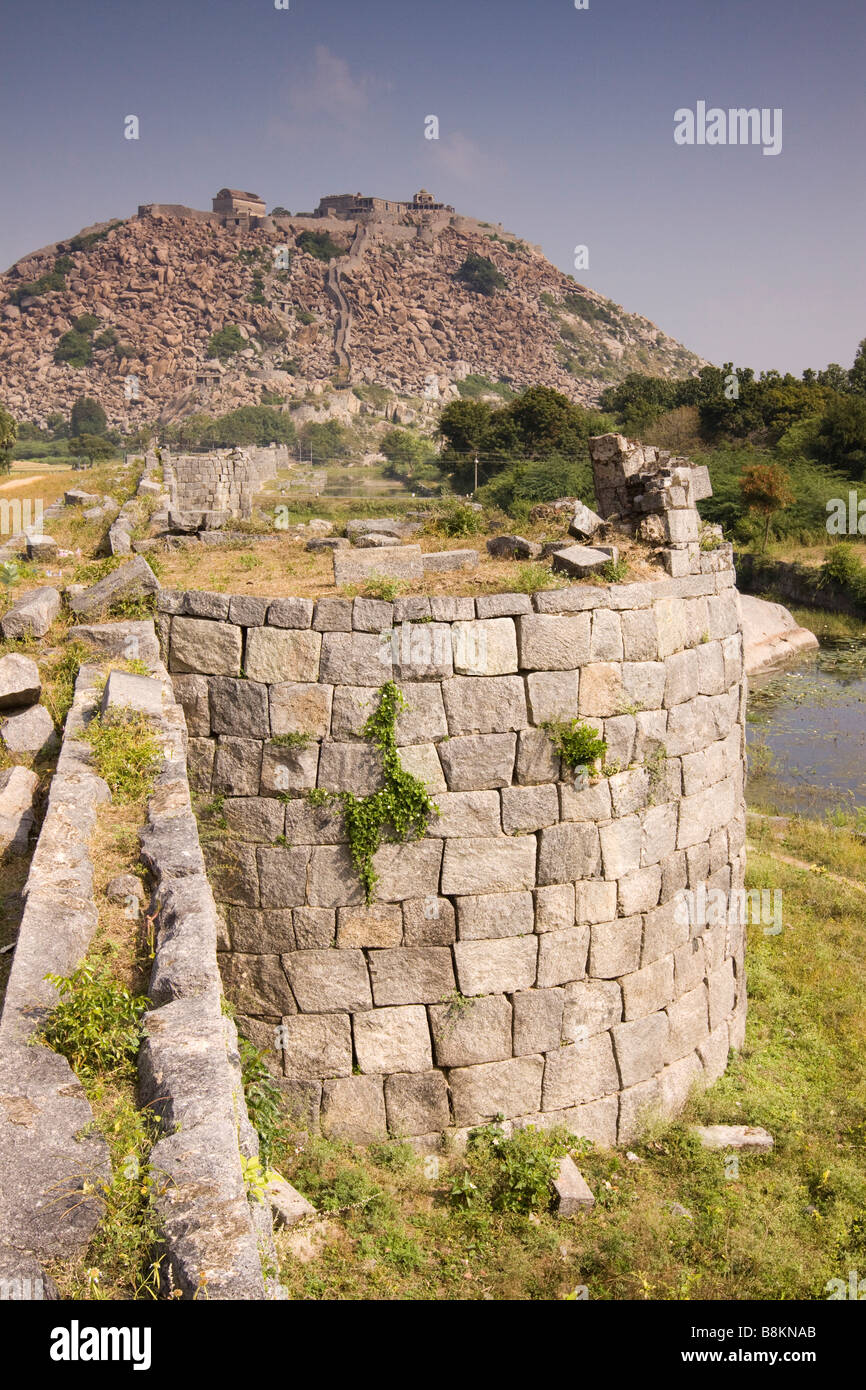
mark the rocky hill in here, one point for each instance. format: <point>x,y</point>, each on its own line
<point>387,311</point>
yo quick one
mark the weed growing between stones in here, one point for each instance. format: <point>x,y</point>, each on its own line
<point>532,577</point>
<point>511,1174</point>
<point>96,1025</point>
<point>577,744</point>
<point>615,571</point>
<point>263,1098</point>
<point>126,753</point>
<point>399,811</point>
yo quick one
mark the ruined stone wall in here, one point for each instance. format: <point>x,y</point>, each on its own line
<point>525,957</point>
<point>222,481</point>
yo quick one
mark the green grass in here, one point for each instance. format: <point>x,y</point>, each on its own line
<point>125,751</point>
<point>399,1226</point>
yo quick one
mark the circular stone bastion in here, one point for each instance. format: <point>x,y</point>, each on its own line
<point>538,953</point>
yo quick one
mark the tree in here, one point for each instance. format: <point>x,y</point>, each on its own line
<point>764,488</point>
<point>857,374</point>
<point>406,452</point>
<point>320,244</point>
<point>280,211</point>
<point>480,274</point>
<point>835,377</point>
<point>327,439</point>
<point>464,424</point>
<point>8,435</point>
<point>74,348</point>
<point>226,342</point>
<point>840,441</point>
<point>91,447</point>
<point>88,417</point>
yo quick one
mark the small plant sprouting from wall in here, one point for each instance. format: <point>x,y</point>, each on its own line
<point>577,744</point>
<point>263,1098</point>
<point>400,810</point>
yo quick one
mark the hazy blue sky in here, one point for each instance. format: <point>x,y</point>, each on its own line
<point>555,121</point>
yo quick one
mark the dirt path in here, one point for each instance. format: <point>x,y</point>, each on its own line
<point>23,482</point>
<point>773,853</point>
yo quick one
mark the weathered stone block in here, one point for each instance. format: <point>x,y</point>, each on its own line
<point>554,907</point>
<point>579,1072</point>
<point>649,989</point>
<point>658,833</point>
<point>417,1104</point>
<point>614,947</point>
<point>494,915</point>
<point>639,890</point>
<point>353,1107</point>
<point>317,1045</point>
<point>283,875</point>
<point>261,933</point>
<point>395,1039</point>
<point>315,927</point>
<point>488,865</point>
<point>562,956</point>
<point>639,1048</point>
<point>529,808</point>
<point>332,879</point>
<point>606,638</point>
<point>496,966</point>
<point>591,1006</point>
<point>288,770</point>
<point>191,693</point>
<point>290,612</point>
<point>537,1021</point>
<point>585,801</point>
<point>476,1032</point>
<point>595,901</point>
<point>239,708</point>
<point>637,1107</point>
<point>301,707</point>
<point>568,851</point>
<point>407,870</point>
<point>537,759</point>
<point>237,766</point>
<point>422,760</point>
<point>721,991</point>
<point>380,924</point>
<point>601,689</point>
<point>259,818</point>
<point>352,566</point>
<point>502,605</point>
<point>422,651</point>
<point>620,846</point>
<point>552,695</point>
<point>256,984</point>
<point>350,766</point>
<point>19,681</point>
<point>213,649</point>
<point>639,635</point>
<point>553,643</point>
<point>689,1028</point>
<point>325,982</point>
<point>629,791</point>
<point>275,655</point>
<point>355,658</point>
<point>485,647</point>
<point>466,814</point>
<point>496,1088</point>
<point>429,921</point>
<point>484,704</point>
<point>411,975</point>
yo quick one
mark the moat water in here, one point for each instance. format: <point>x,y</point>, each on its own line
<point>806,733</point>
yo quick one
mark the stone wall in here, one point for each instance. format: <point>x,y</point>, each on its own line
<point>221,481</point>
<point>526,957</point>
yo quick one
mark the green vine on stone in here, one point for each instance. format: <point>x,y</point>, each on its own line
<point>400,810</point>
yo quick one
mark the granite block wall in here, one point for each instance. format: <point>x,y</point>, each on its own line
<point>526,957</point>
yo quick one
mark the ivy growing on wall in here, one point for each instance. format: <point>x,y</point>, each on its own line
<point>400,810</point>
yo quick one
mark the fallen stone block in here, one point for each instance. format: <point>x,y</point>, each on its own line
<point>578,560</point>
<point>135,640</point>
<point>30,732</point>
<point>513,548</point>
<point>287,1205</point>
<point>375,541</point>
<point>77,497</point>
<point>19,681</point>
<point>33,614</point>
<point>327,543</point>
<point>746,1138</point>
<point>132,580</point>
<point>584,523</point>
<point>18,786</point>
<point>393,562</point>
<point>40,547</point>
<point>22,1277</point>
<point>572,1190</point>
<point>441,561</point>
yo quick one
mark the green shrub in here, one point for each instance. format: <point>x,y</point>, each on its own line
<point>73,348</point>
<point>479,273</point>
<point>97,1024</point>
<point>320,244</point>
<point>510,1175</point>
<point>843,566</point>
<point>577,744</point>
<point>456,519</point>
<point>227,341</point>
<point>263,1098</point>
